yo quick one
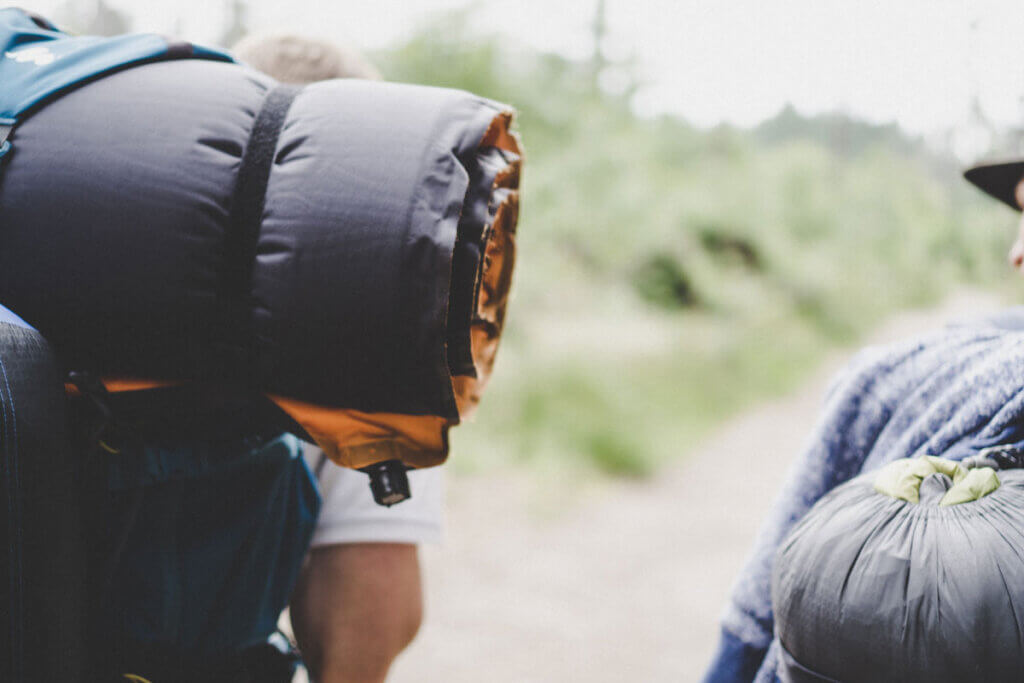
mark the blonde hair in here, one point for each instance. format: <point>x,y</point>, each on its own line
<point>293,59</point>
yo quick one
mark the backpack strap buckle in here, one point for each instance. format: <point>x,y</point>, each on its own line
<point>96,395</point>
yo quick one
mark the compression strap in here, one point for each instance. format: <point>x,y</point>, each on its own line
<point>242,238</point>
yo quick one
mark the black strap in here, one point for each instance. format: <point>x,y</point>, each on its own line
<point>179,49</point>
<point>242,237</point>
<point>37,19</point>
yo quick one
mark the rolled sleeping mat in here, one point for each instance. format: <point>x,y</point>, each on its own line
<point>344,246</point>
<point>43,597</point>
<point>910,573</point>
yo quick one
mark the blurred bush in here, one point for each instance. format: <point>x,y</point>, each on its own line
<point>671,275</point>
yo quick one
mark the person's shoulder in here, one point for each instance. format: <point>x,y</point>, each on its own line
<point>1008,320</point>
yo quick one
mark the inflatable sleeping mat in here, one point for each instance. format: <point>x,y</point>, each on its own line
<point>169,216</point>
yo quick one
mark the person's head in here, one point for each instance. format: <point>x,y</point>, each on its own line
<point>1004,181</point>
<point>293,59</point>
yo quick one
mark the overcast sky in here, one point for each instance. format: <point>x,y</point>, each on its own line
<point>917,62</point>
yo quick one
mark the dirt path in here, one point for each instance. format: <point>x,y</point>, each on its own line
<point>627,582</point>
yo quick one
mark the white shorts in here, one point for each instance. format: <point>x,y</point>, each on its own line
<point>349,514</point>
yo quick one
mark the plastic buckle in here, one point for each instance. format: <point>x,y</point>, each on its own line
<point>95,395</point>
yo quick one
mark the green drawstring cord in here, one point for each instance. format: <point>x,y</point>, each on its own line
<point>902,479</point>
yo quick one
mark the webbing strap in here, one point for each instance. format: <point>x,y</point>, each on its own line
<point>5,132</point>
<point>40,21</point>
<point>243,233</point>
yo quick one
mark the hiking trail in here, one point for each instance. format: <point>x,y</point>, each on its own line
<point>626,581</point>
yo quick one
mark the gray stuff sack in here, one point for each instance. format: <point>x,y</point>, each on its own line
<point>874,586</point>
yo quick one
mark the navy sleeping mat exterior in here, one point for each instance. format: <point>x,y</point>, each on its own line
<point>342,244</point>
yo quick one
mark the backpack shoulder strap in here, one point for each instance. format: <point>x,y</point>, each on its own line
<point>38,62</point>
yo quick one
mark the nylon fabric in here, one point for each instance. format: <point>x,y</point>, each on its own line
<point>37,62</point>
<point>350,438</point>
<point>378,269</point>
<point>8,316</point>
<point>42,586</point>
<point>872,588</point>
<point>793,671</point>
<point>209,558</point>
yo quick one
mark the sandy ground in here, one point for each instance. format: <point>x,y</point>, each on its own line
<point>625,581</point>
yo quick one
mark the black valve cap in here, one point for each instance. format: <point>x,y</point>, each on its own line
<point>388,482</point>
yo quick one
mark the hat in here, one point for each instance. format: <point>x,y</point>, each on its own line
<point>998,179</point>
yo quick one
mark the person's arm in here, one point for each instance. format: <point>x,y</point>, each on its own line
<point>355,608</point>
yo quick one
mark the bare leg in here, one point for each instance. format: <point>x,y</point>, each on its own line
<point>355,608</point>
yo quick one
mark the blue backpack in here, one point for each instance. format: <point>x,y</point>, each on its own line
<point>198,542</point>
<point>192,540</point>
<point>38,61</point>
<point>196,535</point>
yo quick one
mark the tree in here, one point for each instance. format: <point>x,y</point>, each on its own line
<point>237,24</point>
<point>99,19</point>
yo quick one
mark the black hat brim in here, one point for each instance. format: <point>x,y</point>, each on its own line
<point>998,180</point>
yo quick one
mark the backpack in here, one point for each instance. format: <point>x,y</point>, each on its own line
<point>196,543</point>
<point>43,588</point>
<point>26,37</point>
<point>169,556</point>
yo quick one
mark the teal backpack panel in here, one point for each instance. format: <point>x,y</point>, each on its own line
<point>38,61</point>
<point>207,535</point>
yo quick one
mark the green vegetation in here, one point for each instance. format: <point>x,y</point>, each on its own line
<point>669,275</point>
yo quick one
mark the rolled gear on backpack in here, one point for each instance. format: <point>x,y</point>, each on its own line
<point>345,247</point>
<point>911,573</point>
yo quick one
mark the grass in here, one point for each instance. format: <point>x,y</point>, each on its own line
<point>670,276</point>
